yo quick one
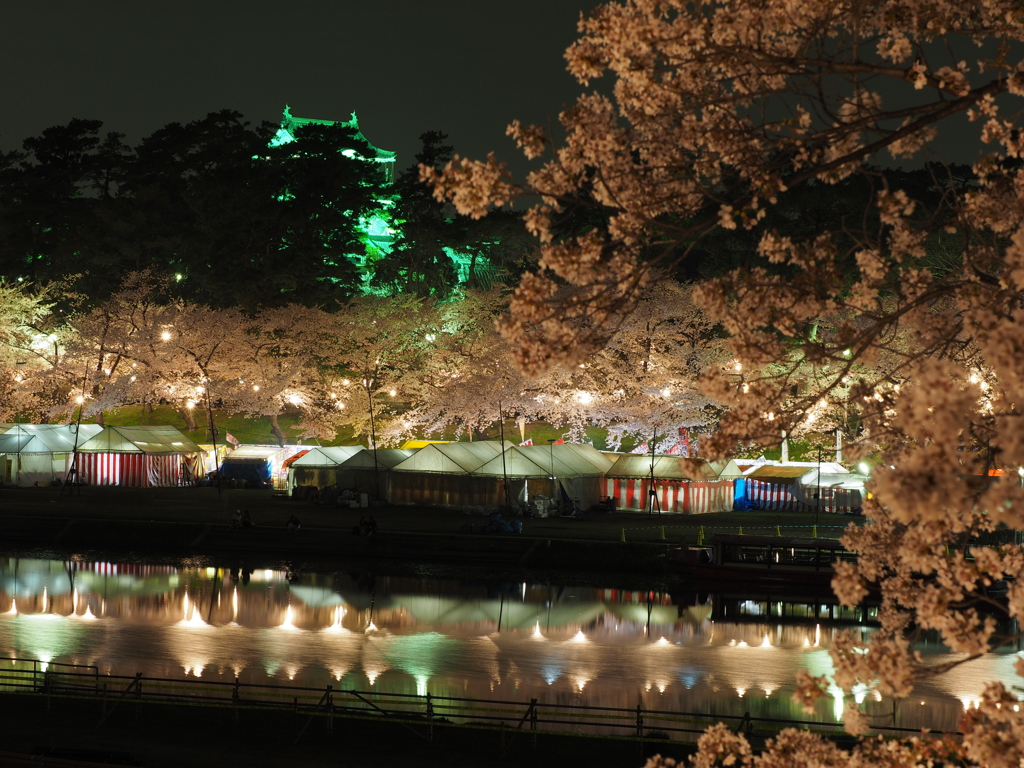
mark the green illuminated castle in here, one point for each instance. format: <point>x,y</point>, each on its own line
<point>380,231</point>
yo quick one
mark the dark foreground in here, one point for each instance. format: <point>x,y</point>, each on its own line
<point>162,736</point>
<point>178,523</point>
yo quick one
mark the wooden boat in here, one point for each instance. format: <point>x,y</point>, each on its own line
<point>778,559</point>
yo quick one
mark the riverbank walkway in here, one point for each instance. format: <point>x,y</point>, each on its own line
<point>183,521</point>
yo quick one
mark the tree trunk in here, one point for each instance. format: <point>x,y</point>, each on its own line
<point>276,429</point>
<point>99,418</point>
<point>211,427</point>
<point>189,417</point>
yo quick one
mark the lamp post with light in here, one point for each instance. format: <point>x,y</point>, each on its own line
<point>368,386</point>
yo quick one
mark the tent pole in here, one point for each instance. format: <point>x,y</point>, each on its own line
<point>501,433</point>
<point>368,383</point>
<point>73,469</point>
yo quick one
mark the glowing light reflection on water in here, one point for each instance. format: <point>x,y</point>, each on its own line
<point>567,645</point>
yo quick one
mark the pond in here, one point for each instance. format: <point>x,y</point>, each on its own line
<point>560,644</point>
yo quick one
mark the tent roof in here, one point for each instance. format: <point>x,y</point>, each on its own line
<point>792,472</point>
<point>726,470</point>
<point>570,459</point>
<point>665,467</point>
<point>50,438</point>
<point>154,441</point>
<point>254,452</point>
<point>386,458</point>
<point>452,458</point>
<point>328,456</point>
<point>516,464</point>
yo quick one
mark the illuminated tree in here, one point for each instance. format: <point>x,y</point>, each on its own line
<point>720,113</point>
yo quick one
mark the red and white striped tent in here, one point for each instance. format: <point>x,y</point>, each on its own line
<point>629,483</point>
<point>138,457</point>
<point>776,486</point>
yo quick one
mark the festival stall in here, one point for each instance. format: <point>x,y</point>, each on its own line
<point>138,457</point>
<point>774,486</point>
<point>629,483</point>
<point>318,466</point>
<point>39,454</point>
<point>441,475</point>
<point>578,471</point>
<point>258,466</point>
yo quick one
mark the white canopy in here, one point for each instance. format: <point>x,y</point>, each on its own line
<point>44,438</point>
<point>569,459</point>
<point>452,458</point>
<point>516,464</point>
<point>327,456</point>
<point>385,458</point>
<point>634,465</point>
<point>152,441</point>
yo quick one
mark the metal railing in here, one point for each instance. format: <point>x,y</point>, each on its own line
<point>420,714</point>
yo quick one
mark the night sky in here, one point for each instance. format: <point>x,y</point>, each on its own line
<point>466,67</point>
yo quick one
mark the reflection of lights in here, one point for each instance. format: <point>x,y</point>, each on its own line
<point>579,637</point>
<point>768,691</point>
<point>372,674</point>
<point>581,682</point>
<point>817,635</point>
<point>14,608</point>
<point>372,627</point>
<point>291,672</point>
<point>421,685</point>
<point>662,685</point>
<point>741,691</point>
<point>766,643</point>
<point>339,672</point>
<point>234,605</point>
<point>287,624</point>
<point>196,620</point>
<point>536,632</point>
<point>335,625</point>
<point>196,668</point>
<point>44,599</point>
<point>663,642</point>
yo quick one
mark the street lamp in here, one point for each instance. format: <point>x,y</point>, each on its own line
<point>368,386</point>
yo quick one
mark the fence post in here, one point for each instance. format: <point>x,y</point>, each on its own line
<point>639,722</point>
<point>138,694</point>
<point>234,700</point>
<point>533,720</point>
<point>430,717</point>
<point>330,708</point>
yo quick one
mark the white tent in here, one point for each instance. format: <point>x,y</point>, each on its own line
<point>352,467</point>
<point>39,454</point>
<point>138,457</point>
<point>629,482</point>
<point>578,469</point>
<point>774,485</point>
<point>441,474</point>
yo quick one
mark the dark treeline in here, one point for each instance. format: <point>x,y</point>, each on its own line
<point>231,219</point>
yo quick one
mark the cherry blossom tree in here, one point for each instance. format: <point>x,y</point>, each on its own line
<point>718,112</point>
<point>27,341</point>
